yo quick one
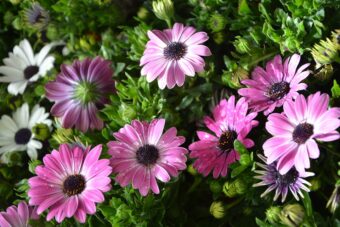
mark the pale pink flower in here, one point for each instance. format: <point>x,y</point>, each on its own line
<point>296,130</point>
<point>143,153</point>
<point>173,53</point>
<point>70,182</point>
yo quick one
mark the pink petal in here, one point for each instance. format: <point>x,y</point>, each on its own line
<point>155,130</point>
<point>313,149</point>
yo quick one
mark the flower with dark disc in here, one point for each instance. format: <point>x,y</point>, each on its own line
<point>292,181</point>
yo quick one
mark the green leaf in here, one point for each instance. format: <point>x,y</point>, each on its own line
<point>308,204</point>
<point>32,165</point>
<point>243,7</point>
<point>261,223</point>
<point>235,172</point>
<point>240,148</point>
<point>335,90</point>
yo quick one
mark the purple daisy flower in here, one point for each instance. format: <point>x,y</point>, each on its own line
<point>272,87</point>
<point>296,130</point>
<point>173,53</point>
<point>79,91</point>
<point>292,181</point>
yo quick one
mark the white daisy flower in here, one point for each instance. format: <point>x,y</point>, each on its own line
<point>16,133</point>
<point>23,67</point>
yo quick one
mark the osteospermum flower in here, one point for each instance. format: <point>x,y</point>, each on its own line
<point>70,182</point>
<point>37,16</point>
<point>22,67</point>
<point>272,87</point>
<point>79,91</point>
<point>16,133</point>
<point>17,216</point>
<point>216,152</point>
<point>296,130</point>
<point>141,154</point>
<point>292,181</point>
<point>173,53</point>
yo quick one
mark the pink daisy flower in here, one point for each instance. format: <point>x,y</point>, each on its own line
<point>272,87</point>
<point>142,153</point>
<point>296,130</point>
<point>17,216</point>
<point>79,91</point>
<point>216,152</point>
<point>173,53</point>
<point>70,182</point>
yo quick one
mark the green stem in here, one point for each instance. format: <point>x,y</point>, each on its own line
<point>262,58</point>
<point>168,22</point>
<point>194,185</point>
<point>234,203</point>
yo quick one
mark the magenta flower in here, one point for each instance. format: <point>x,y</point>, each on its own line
<point>272,87</point>
<point>69,184</point>
<point>173,53</point>
<point>79,91</point>
<point>216,152</point>
<point>292,181</point>
<point>141,154</point>
<point>296,130</point>
<point>17,216</point>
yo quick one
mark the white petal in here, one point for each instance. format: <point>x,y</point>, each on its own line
<point>32,153</point>
<point>15,61</point>
<point>7,124</point>
<point>27,49</point>
<point>10,148</point>
<point>46,65</point>
<point>17,87</point>
<point>11,74</point>
<point>39,115</point>
<point>21,116</point>
<point>39,58</point>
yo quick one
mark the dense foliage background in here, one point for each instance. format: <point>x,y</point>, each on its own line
<point>243,34</point>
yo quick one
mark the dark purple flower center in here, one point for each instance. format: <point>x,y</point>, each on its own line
<point>22,136</point>
<point>74,185</point>
<point>226,141</point>
<point>36,15</point>
<point>278,90</point>
<point>175,51</point>
<point>147,154</point>
<point>302,132</point>
<point>288,178</point>
<point>30,71</point>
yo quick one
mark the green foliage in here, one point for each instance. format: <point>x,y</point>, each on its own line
<point>134,99</point>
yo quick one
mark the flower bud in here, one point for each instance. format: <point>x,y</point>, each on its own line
<point>41,131</point>
<point>324,73</point>
<point>325,52</point>
<point>241,45</point>
<point>192,170</point>
<point>336,38</point>
<point>215,187</point>
<point>229,189</point>
<point>217,210</point>
<point>334,200</point>
<point>163,9</point>
<point>273,214</point>
<point>216,22</point>
<point>292,215</point>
